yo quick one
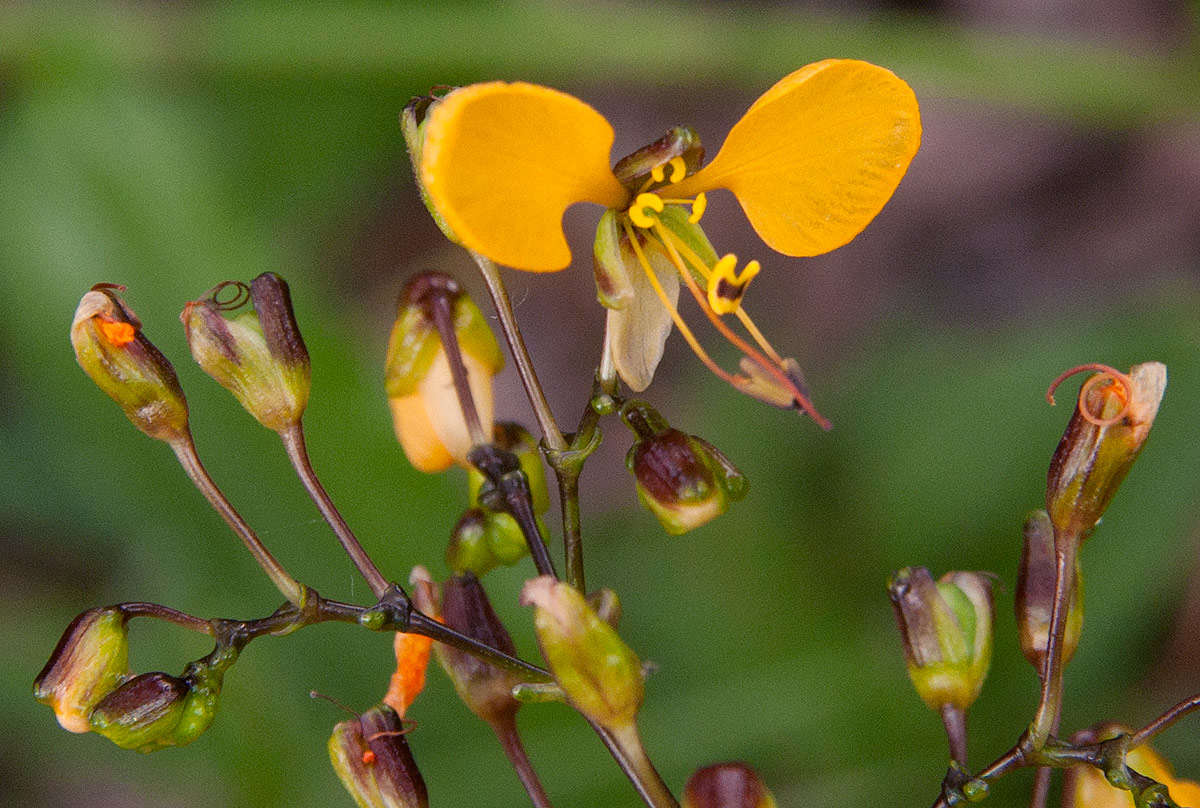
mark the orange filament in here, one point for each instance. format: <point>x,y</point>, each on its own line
<point>1114,381</point>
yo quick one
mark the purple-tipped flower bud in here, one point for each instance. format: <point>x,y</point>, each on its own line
<point>682,479</point>
<point>257,353</point>
<point>428,418</point>
<point>947,632</point>
<point>1034,600</point>
<point>111,348</point>
<point>1105,435</point>
<point>484,688</point>
<point>371,757</point>
<point>599,673</point>
<point>154,711</point>
<point>515,438</point>
<point>89,662</point>
<point>726,785</point>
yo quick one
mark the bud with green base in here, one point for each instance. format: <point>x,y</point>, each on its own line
<point>683,480</point>
<point>155,711</point>
<point>726,785</point>
<point>111,349</point>
<point>947,632</point>
<point>1034,600</point>
<point>257,353</point>
<point>89,662</point>
<point>372,759</point>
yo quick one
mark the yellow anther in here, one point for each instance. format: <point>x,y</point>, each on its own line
<point>637,211</point>
<point>678,170</point>
<point>699,205</point>
<point>726,286</point>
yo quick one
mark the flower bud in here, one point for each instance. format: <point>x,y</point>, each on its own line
<point>257,354</point>
<point>1085,786</point>
<point>601,676</point>
<point>111,348</point>
<point>636,169</point>
<point>947,632</point>
<point>371,757</point>
<point>726,785</point>
<point>1105,435</point>
<point>1034,600</point>
<point>153,711</point>
<point>682,479</point>
<point>484,688</point>
<point>412,123</point>
<point>90,661</point>
<point>428,419</point>
<point>515,438</point>
<point>483,540</point>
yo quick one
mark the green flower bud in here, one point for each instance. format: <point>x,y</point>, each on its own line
<point>485,689</point>
<point>154,711</point>
<point>726,785</point>
<point>515,438</point>
<point>682,479</point>
<point>601,676</point>
<point>258,355</point>
<point>483,540</point>
<point>635,169</point>
<point>1105,435</point>
<point>947,632</point>
<point>1034,599</point>
<point>89,662</point>
<point>412,124</point>
<point>428,420</point>
<point>371,757</point>
<point>111,348</point>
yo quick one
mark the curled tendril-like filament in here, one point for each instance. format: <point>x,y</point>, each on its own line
<point>236,294</point>
<point>1116,381</point>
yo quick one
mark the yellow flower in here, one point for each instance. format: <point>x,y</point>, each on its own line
<point>811,163</point>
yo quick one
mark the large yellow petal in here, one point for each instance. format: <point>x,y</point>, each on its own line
<point>817,156</point>
<point>502,163</point>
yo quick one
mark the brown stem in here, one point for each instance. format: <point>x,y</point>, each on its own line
<point>506,730</point>
<point>625,745</point>
<point>294,444</point>
<point>1049,710</point>
<point>1165,720</point>
<point>1041,788</point>
<point>955,722</point>
<point>439,307</point>
<point>185,450</point>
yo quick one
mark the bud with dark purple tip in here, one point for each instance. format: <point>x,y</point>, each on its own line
<point>372,759</point>
<point>154,711</point>
<point>89,662</point>
<point>726,785</point>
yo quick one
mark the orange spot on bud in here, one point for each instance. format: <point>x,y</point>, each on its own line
<point>368,758</point>
<point>117,332</point>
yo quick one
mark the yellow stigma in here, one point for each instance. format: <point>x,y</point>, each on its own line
<point>678,170</point>
<point>637,211</point>
<point>726,287</point>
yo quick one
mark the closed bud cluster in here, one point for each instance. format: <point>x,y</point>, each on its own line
<point>483,539</point>
<point>256,353</point>
<point>1034,600</point>
<point>89,662</point>
<point>154,711</point>
<point>598,672</point>
<point>1085,786</point>
<point>484,688</point>
<point>947,632</point>
<point>428,418</point>
<point>1105,435</point>
<point>112,350</point>
<point>726,785</point>
<point>371,757</point>
<point>683,480</point>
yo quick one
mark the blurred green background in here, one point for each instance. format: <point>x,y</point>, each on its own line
<point>1051,218</point>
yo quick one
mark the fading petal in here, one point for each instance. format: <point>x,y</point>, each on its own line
<point>502,163</point>
<point>638,332</point>
<point>817,156</point>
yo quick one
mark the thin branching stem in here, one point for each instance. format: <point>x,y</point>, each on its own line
<point>185,451</point>
<point>297,451</point>
<point>1165,720</point>
<point>625,745</point>
<point>506,731</point>
<point>1049,709</point>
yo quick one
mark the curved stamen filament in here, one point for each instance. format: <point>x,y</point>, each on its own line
<point>678,170</point>
<point>675,315</point>
<point>1114,380</point>
<point>637,211</point>
<point>771,368</point>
